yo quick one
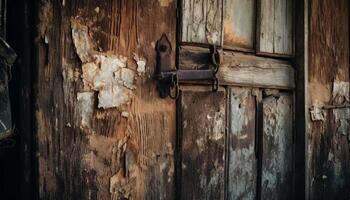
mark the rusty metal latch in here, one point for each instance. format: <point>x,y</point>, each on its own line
<point>168,78</point>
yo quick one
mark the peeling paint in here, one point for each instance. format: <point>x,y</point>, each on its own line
<point>141,64</point>
<point>85,106</point>
<point>103,73</point>
<point>82,42</point>
<point>125,114</point>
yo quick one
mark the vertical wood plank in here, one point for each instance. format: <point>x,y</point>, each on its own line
<point>203,124</point>
<point>239,23</point>
<point>328,156</point>
<point>266,20</point>
<point>275,34</point>
<point>241,136</point>
<point>277,160</point>
<point>202,21</point>
<point>283,27</point>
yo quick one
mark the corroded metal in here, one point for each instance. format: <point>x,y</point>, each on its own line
<point>168,77</point>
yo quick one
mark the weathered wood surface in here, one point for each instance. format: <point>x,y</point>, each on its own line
<point>242,69</point>
<point>242,167</point>
<point>277,155</point>
<point>239,23</point>
<point>275,25</point>
<point>203,143</point>
<point>328,133</point>
<point>102,132</point>
<point>202,21</point>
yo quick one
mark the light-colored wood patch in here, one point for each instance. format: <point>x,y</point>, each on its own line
<point>202,21</point>
<point>277,159</point>
<point>242,163</point>
<point>275,25</point>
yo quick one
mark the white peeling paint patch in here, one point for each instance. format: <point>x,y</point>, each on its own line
<point>106,74</point>
<point>141,64</point>
<point>85,106</point>
<point>82,42</point>
<point>113,97</point>
<point>165,3</point>
<point>109,77</point>
<point>125,114</point>
<point>341,92</point>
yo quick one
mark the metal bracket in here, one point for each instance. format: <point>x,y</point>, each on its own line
<point>168,78</point>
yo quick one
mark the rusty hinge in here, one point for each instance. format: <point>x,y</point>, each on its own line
<point>168,77</point>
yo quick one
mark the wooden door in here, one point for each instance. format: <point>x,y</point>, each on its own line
<point>237,142</point>
<point>102,131</point>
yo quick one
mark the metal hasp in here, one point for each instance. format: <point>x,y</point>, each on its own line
<point>168,78</point>
<point>7,58</point>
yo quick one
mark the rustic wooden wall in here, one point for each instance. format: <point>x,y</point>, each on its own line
<point>101,131</point>
<point>328,163</point>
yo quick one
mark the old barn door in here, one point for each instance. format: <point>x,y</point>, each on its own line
<point>236,142</point>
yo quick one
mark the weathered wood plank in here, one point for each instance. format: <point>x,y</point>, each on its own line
<point>242,69</point>
<point>283,27</point>
<point>275,23</point>
<point>96,138</point>
<point>277,159</point>
<point>239,23</point>
<point>203,132</point>
<point>328,156</point>
<point>242,162</point>
<point>266,26</point>
<point>202,21</point>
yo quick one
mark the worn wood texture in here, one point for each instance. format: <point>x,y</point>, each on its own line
<point>275,25</point>
<point>242,69</point>
<point>101,130</point>
<point>242,167</point>
<point>202,21</point>
<point>277,158</point>
<point>328,132</point>
<point>239,23</point>
<point>203,144</point>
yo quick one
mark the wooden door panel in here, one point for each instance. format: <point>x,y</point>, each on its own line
<point>203,143</point>
<point>202,21</point>
<point>275,27</point>
<point>239,24</point>
<point>277,158</point>
<point>242,171</point>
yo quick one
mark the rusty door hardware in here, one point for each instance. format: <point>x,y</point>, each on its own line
<point>168,77</point>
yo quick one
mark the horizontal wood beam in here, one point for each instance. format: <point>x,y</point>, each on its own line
<point>241,69</point>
